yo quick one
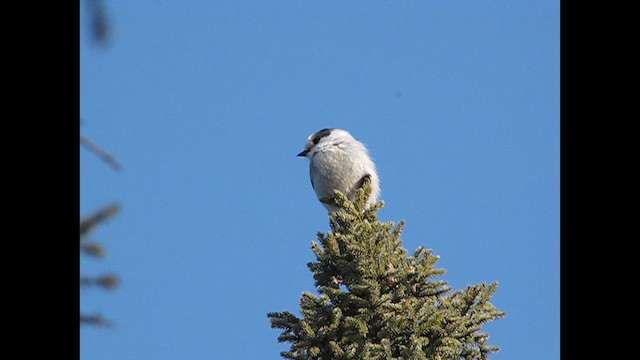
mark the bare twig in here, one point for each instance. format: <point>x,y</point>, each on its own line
<point>94,319</point>
<point>109,281</point>
<point>92,248</point>
<point>102,153</point>
<point>90,221</point>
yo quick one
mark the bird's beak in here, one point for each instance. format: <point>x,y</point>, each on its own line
<point>303,153</point>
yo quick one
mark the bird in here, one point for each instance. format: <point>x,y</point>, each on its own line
<point>337,161</point>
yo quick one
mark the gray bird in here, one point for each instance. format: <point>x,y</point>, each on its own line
<point>340,162</point>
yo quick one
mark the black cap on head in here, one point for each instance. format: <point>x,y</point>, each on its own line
<point>315,138</point>
<point>320,134</point>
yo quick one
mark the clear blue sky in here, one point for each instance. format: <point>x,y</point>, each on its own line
<point>206,104</point>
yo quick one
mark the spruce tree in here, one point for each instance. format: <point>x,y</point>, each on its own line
<point>377,302</point>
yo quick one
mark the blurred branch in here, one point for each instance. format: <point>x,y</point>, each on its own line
<point>109,281</point>
<point>99,22</point>
<point>94,319</point>
<point>100,30</point>
<point>92,248</point>
<point>90,221</point>
<point>102,153</point>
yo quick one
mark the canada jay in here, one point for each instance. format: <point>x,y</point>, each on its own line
<point>340,162</point>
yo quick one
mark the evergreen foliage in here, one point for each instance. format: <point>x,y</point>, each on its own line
<point>377,302</point>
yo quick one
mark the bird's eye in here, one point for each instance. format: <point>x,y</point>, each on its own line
<point>320,134</point>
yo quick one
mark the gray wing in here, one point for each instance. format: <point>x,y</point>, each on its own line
<point>311,177</point>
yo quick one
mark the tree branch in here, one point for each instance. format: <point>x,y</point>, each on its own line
<point>94,319</point>
<point>90,221</point>
<point>102,153</point>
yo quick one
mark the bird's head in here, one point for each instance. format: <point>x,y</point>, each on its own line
<point>324,138</point>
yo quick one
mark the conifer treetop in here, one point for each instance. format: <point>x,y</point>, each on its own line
<point>375,301</point>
